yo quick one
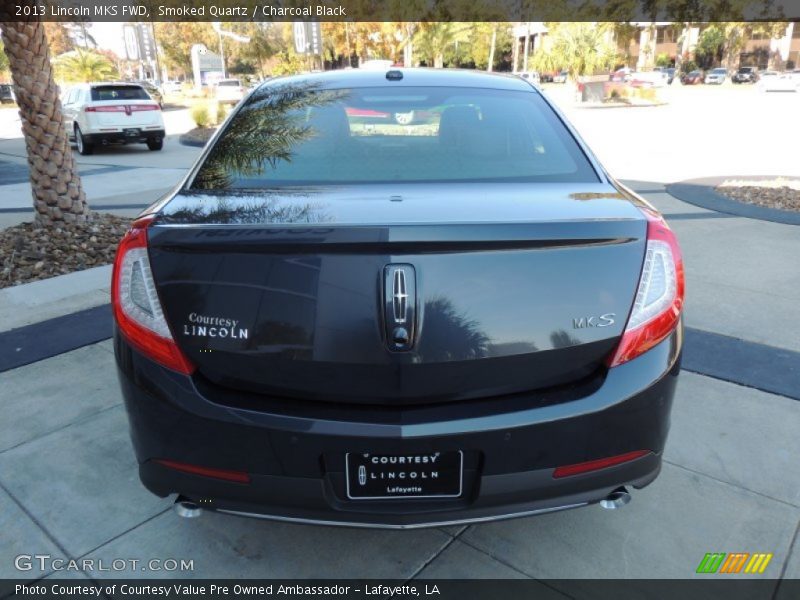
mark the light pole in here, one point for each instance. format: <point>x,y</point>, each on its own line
<point>220,32</point>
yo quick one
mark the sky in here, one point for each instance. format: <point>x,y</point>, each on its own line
<point>109,37</point>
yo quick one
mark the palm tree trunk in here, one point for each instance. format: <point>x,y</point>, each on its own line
<point>57,192</point>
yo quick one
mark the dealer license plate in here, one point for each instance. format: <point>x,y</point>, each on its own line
<point>391,476</point>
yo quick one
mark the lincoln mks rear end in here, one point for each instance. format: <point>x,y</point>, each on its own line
<point>456,318</point>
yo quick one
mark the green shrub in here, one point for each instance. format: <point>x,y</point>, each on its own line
<point>221,112</point>
<point>200,114</point>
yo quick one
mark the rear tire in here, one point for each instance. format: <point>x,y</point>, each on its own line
<point>155,144</point>
<point>84,148</point>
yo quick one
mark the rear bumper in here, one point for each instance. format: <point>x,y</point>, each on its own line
<point>120,137</point>
<point>296,463</point>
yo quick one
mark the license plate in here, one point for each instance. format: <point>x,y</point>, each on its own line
<point>391,476</point>
<point>132,132</point>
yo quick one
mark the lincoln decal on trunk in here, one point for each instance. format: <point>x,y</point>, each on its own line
<point>214,327</point>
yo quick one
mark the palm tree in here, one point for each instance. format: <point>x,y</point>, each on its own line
<point>580,48</point>
<point>434,39</point>
<point>57,191</point>
<point>84,65</point>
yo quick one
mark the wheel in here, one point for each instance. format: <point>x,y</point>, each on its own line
<point>155,144</point>
<point>405,118</point>
<point>84,147</point>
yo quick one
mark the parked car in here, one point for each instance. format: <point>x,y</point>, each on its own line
<point>546,77</point>
<point>7,93</point>
<point>112,113</point>
<point>561,77</point>
<point>171,87</point>
<point>716,76</point>
<point>229,91</point>
<point>531,76</point>
<point>692,78</point>
<point>655,79</point>
<point>667,73</point>
<point>745,75</point>
<point>153,91</point>
<point>774,81</point>
<point>293,345</point>
<point>623,74</point>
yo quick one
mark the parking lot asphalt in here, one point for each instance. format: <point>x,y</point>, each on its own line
<point>730,482</point>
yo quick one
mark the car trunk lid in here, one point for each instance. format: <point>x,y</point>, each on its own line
<point>295,294</point>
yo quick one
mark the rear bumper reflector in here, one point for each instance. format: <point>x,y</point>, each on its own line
<point>234,476</point>
<point>596,465</point>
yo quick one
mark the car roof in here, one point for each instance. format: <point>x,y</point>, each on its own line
<point>414,77</point>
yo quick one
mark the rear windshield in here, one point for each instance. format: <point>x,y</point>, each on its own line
<point>300,135</point>
<point>230,83</point>
<point>118,92</point>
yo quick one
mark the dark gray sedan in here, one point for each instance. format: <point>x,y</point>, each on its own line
<point>368,322</point>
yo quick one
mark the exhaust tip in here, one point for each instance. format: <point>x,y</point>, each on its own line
<point>616,499</point>
<point>187,509</point>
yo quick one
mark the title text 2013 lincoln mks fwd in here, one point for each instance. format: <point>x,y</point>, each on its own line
<point>344,317</point>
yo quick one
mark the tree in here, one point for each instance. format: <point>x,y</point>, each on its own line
<point>580,48</point>
<point>175,40</point>
<point>3,59</point>
<point>58,38</point>
<point>483,53</point>
<point>84,65</point>
<point>263,45</point>
<point>710,46</point>
<point>434,39</point>
<point>57,191</point>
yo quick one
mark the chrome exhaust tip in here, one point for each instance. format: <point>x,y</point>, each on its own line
<point>616,499</point>
<point>187,509</point>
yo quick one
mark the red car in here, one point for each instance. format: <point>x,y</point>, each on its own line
<point>692,78</point>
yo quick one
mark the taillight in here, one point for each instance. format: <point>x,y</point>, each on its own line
<point>137,309</point>
<point>107,108</point>
<point>659,298</point>
<point>126,108</point>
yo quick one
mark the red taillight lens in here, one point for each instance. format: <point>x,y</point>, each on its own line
<point>142,107</point>
<point>596,465</point>
<point>137,309</point>
<point>235,476</point>
<point>659,298</point>
<point>108,108</point>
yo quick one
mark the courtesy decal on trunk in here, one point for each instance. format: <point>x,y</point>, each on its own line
<point>214,327</point>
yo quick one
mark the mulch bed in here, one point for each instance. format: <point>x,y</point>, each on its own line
<point>29,253</point>
<point>198,136</point>
<point>779,196</point>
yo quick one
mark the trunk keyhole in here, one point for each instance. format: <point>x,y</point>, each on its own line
<point>400,336</point>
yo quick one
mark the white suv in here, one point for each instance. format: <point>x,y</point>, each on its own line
<point>229,91</point>
<point>108,113</point>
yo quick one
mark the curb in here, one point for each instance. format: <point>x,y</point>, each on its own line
<point>701,192</point>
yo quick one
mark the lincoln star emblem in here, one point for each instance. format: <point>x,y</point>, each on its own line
<point>400,296</point>
<point>399,306</point>
<point>362,475</point>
